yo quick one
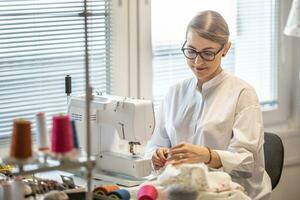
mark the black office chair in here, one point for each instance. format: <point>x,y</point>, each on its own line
<point>274,156</point>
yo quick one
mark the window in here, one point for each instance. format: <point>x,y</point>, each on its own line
<point>41,41</point>
<point>253,56</point>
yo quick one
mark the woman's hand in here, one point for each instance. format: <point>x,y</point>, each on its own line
<point>188,153</point>
<point>159,158</point>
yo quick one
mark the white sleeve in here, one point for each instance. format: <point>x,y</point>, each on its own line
<point>160,137</point>
<point>247,138</point>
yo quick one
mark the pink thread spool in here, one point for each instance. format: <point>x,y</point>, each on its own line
<point>61,137</point>
<point>147,192</point>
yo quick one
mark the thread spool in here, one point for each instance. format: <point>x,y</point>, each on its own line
<point>147,192</point>
<point>119,194</point>
<point>17,189</point>
<point>6,191</point>
<point>105,189</point>
<point>74,133</point>
<point>182,192</point>
<point>61,137</point>
<point>42,136</point>
<point>21,140</point>
<point>68,85</point>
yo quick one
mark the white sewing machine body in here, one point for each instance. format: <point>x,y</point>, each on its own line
<point>115,120</point>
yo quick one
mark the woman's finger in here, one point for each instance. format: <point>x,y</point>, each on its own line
<point>178,151</point>
<point>161,154</point>
<point>178,146</point>
<point>179,162</point>
<point>166,153</point>
<point>155,156</point>
<point>178,156</point>
<point>158,163</point>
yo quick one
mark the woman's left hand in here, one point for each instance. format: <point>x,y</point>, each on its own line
<point>188,153</point>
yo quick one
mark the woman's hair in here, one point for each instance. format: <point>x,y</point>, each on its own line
<point>211,26</point>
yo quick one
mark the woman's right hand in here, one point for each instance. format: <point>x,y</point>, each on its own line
<point>159,158</point>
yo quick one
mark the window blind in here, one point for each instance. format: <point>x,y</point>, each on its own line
<point>42,41</point>
<point>253,54</point>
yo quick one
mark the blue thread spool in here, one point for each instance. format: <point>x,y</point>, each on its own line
<point>119,194</point>
<point>74,131</point>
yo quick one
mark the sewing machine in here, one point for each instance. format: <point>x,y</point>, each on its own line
<point>120,126</point>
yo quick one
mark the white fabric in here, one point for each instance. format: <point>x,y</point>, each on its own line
<point>209,185</point>
<point>191,175</point>
<point>224,116</point>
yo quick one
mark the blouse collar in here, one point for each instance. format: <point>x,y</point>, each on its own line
<point>212,83</point>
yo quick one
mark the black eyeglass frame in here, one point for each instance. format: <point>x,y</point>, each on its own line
<point>199,52</point>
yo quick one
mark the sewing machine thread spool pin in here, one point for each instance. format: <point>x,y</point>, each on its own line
<point>68,87</point>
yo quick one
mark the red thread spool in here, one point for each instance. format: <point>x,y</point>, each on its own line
<point>147,192</point>
<point>61,137</point>
<point>21,147</point>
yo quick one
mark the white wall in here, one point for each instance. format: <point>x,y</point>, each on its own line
<point>289,185</point>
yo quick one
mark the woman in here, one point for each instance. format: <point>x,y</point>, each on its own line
<point>213,117</point>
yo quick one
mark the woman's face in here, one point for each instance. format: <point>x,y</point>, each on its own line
<point>204,70</point>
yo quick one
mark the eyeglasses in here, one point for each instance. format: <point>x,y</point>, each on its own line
<point>192,54</point>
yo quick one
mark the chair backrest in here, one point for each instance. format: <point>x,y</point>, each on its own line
<point>274,157</point>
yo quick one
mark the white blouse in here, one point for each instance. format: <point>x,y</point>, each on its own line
<point>224,116</point>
